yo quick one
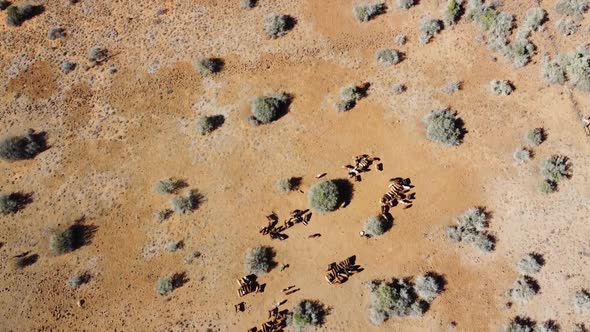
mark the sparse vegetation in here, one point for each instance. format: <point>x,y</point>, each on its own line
<point>556,168</point>
<point>349,96</point>
<point>276,26</point>
<point>324,196</point>
<point>428,28</point>
<point>206,124</point>
<point>548,186</point>
<point>571,7</point>
<point>388,57</point>
<point>405,4</point>
<point>307,313</point>
<point>444,127</point>
<point>17,15</point>
<point>530,264</point>
<point>521,324</point>
<point>522,155</point>
<point>165,285</point>
<point>429,286</point>
<point>169,186</point>
<point>22,147</point>
<point>97,55</point>
<point>501,87</point>
<point>377,225</point>
<point>366,12</point>
<point>472,228</point>
<point>566,26</point>
<point>452,12</point>
<point>260,260</point>
<point>452,87</point>
<point>582,300</point>
<point>535,136</point>
<point>269,108</point>
<point>187,203</point>
<point>573,67</point>
<point>524,288</point>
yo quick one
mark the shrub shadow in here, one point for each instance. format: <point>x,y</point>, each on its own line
<point>82,234</point>
<point>346,191</point>
<point>28,260</point>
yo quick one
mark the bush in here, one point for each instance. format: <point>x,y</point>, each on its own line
<point>522,155</point>
<point>400,40</point>
<point>207,124</point>
<point>535,136</point>
<point>524,288</point>
<point>444,127</point>
<point>174,246</point>
<point>377,225</point>
<point>56,33</point>
<point>248,4</point>
<point>286,185</point>
<point>548,326</point>
<point>566,26</point>
<point>324,196</point>
<point>520,53</point>
<point>169,186</point>
<point>452,87</point>
<point>571,7</point>
<point>67,67</point>
<point>396,299</point>
<point>308,313</point>
<point>582,300</point>
<point>17,15</point>
<point>260,260</point>
<point>23,147</point>
<point>580,328</point>
<point>78,280</point>
<point>573,67</point>
<point>4,4</point>
<point>548,186</point>
<point>388,57</point>
<point>556,168</point>
<point>521,324</point>
<point>165,286</point>
<point>472,228</point>
<point>364,13</point>
<point>64,240</point>
<point>187,203</point>
<point>276,26</point>
<point>428,28</point>
<point>208,66</point>
<point>269,108</point>
<point>97,55</point>
<point>534,19</point>
<point>552,71</point>
<point>429,286</point>
<point>501,87</point>
<point>405,4</point>
<point>162,215</point>
<point>530,264</point>
<point>452,12</point>
<point>349,96</point>
<point>12,203</point>
<point>398,89</point>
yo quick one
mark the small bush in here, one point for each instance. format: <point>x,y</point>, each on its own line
<point>577,68</point>
<point>571,7</point>
<point>269,108</point>
<point>548,326</point>
<point>187,203</point>
<point>67,67</point>
<point>17,15</point>
<point>519,52</point>
<point>428,28</point>
<point>78,280</point>
<point>400,40</point>
<point>398,89</point>
<point>522,155</point>
<point>566,26</point>
<point>4,4</point>
<point>162,215</point>
<point>395,299</point>
<point>248,4</point>
<point>453,11</point>
<point>22,147</point>
<point>260,260</point>
<point>174,246</point>
<point>452,87</point>
<point>276,26</point>
<point>530,264</point>
<point>552,71</point>
<point>377,225</point>
<point>388,57</point>
<point>524,288</point>
<point>429,286</point>
<point>308,313</point>
<point>324,196</point>
<point>12,203</point>
<point>548,186</point>
<point>535,136</point>
<point>165,286</point>
<point>534,19</point>
<point>364,13</point>
<point>444,127</point>
<point>206,124</point>
<point>64,240</point>
<point>56,33</point>
<point>472,228</point>
<point>169,186</point>
<point>556,168</point>
<point>501,87</point>
<point>521,324</point>
<point>582,300</point>
<point>97,55</point>
<point>580,328</point>
<point>349,96</point>
<point>286,185</point>
<point>405,4</point>
<point>208,66</point>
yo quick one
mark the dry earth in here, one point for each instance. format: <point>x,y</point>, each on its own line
<point>114,133</point>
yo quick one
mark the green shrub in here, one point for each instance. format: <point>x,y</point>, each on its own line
<point>566,26</point>
<point>260,260</point>
<point>308,313</point>
<point>276,26</point>
<point>530,264</point>
<point>377,225</point>
<point>444,127</point>
<point>521,324</point>
<point>187,203</point>
<point>571,7</point>
<point>12,203</point>
<point>23,147</point>
<point>429,286</point>
<point>556,168</point>
<point>501,87</point>
<point>169,186</point>
<point>364,13</point>
<point>349,96</point>
<point>388,57</point>
<point>581,300</point>
<point>548,186</point>
<point>524,288</point>
<point>395,299</point>
<point>269,108</point>
<point>519,52</point>
<point>522,155</point>
<point>17,15</point>
<point>428,28</point>
<point>472,228</point>
<point>208,66</point>
<point>535,136</point>
<point>206,124</point>
<point>324,196</point>
<point>452,12</point>
<point>165,286</point>
<point>405,4</point>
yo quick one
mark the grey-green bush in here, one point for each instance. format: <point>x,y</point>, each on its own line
<point>377,225</point>
<point>573,67</point>
<point>444,127</point>
<point>405,4</point>
<point>17,15</point>
<point>162,215</point>
<point>248,4</point>
<point>165,285</point>
<point>452,12</point>
<point>581,300</point>
<point>535,137</point>
<point>522,155</point>
<point>571,7</point>
<point>428,28</point>
<point>530,264</point>
<point>388,57</point>
<point>548,186</point>
<point>285,185</point>
<point>4,4</point>
<point>566,26</point>
<point>207,66</point>
<point>260,260</point>
<point>521,324</point>
<point>307,313</point>
<point>556,168</point>
<point>168,186</point>
<point>67,67</point>
<point>186,203</point>
<point>11,203</point>
<point>206,124</point>
<point>174,246</point>
<point>580,328</point>
<point>62,241</point>
<point>452,87</point>
<point>548,326</point>
<point>524,288</point>
<point>552,71</point>
<point>519,52</point>
<point>97,55</point>
<point>501,87</point>
<point>534,19</point>
<point>364,13</point>
<point>349,96</point>
<point>276,26</point>
<point>428,287</point>
<point>398,89</point>
<point>472,228</point>
<point>400,40</point>
<point>324,196</point>
<point>269,108</point>
<point>78,280</point>
<point>56,33</point>
<point>395,299</point>
<point>24,147</point>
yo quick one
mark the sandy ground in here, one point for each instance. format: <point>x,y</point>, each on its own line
<point>112,136</point>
